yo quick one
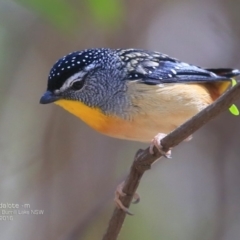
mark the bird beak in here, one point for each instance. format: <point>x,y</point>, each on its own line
<point>48,97</point>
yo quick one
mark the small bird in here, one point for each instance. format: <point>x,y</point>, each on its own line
<point>133,94</point>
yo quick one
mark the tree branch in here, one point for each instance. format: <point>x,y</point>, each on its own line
<point>143,159</point>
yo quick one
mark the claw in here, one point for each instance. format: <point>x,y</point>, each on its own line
<point>156,142</point>
<point>136,198</point>
<point>188,138</point>
<point>121,206</point>
<point>119,193</point>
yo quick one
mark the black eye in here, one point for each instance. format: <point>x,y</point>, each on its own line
<point>78,85</point>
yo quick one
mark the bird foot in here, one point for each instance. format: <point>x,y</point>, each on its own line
<point>119,193</point>
<point>156,142</point>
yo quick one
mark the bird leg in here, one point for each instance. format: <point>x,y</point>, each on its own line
<point>119,193</point>
<point>156,142</point>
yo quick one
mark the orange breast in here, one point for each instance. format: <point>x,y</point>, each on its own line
<point>153,109</point>
<point>110,125</point>
<point>92,116</point>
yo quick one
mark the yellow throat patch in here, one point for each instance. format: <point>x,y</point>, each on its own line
<point>92,116</point>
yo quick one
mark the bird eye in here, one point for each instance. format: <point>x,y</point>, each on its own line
<point>78,85</point>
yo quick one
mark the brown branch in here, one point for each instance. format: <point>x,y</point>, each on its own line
<point>143,159</point>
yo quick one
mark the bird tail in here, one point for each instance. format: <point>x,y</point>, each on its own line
<point>220,87</point>
<point>225,72</point>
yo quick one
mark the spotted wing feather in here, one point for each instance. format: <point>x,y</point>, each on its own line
<point>156,68</point>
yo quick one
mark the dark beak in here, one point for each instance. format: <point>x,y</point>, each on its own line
<point>48,97</point>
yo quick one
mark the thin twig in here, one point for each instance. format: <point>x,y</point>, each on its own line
<point>143,159</point>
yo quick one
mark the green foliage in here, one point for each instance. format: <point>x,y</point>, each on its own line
<point>106,11</point>
<point>58,12</point>
<point>65,16</point>
<point>233,109</point>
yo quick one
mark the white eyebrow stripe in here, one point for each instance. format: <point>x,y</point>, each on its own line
<point>72,79</point>
<point>90,67</point>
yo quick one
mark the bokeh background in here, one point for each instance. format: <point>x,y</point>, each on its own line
<point>53,162</point>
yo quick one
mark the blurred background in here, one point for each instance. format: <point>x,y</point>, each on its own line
<point>53,162</point>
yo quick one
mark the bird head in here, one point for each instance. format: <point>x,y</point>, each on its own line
<point>90,76</point>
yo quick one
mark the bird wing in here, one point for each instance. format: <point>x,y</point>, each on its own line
<point>155,68</point>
